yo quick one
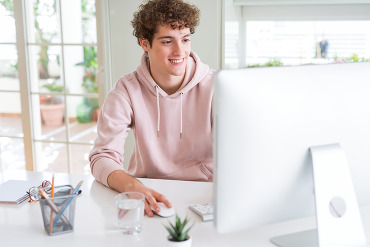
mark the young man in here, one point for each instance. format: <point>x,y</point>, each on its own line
<point>167,102</point>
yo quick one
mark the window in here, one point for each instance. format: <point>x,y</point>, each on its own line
<point>60,89</point>
<point>295,32</point>
<point>307,42</point>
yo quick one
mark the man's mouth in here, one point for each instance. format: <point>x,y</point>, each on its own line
<point>176,61</point>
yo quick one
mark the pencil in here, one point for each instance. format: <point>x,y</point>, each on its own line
<point>51,211</point>
<point>75,192</point>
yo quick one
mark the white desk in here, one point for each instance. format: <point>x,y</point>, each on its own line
<point>95,223</point>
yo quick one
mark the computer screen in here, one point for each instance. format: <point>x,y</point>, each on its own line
<point>265,122</point>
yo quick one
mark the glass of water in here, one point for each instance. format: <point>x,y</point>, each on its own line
<point>130,211</point>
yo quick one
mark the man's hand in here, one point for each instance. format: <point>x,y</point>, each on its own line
<point>121,181</point>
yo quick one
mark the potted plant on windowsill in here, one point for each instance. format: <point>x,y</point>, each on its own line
<point>178,235</point>
<point>52,106</point>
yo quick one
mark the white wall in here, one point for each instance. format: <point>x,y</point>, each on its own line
<point>125,53</point>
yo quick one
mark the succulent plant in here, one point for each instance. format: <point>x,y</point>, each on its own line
<point>177,232</point>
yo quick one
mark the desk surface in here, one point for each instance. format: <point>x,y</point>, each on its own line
<point>95,222</point>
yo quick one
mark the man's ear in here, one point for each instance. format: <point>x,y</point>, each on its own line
<point>144,43</point>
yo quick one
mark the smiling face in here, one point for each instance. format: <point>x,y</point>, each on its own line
<point>168,56</point>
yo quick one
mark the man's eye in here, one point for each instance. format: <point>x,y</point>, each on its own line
<point>186,40</point>
<point>166,42</point>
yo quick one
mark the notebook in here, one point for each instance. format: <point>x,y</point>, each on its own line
<point>15,191</point>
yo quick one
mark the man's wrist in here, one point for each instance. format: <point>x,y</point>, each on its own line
<point>121,181</point>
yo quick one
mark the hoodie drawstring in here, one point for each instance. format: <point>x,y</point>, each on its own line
<point>158,111</point>
<point>181,114</point>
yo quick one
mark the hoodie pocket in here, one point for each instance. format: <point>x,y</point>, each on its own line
<point>197,171</point>
<point>207,169</point>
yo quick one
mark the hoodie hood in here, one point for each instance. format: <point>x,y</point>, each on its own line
<point>195,72</point>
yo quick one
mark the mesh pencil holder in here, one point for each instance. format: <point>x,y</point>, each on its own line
<point>58,213</point>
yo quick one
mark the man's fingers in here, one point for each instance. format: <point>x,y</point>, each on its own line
<point>152,201</point>
<point>152,198</point>
<point>162,198</point>
<point>167,203</point>
<point>148,210</point>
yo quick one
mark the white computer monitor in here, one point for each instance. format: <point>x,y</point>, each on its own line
<point>265,122</point>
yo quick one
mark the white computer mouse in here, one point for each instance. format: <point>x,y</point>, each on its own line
<point>165,211</point>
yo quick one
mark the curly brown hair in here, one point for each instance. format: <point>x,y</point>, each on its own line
<point>176,13</point>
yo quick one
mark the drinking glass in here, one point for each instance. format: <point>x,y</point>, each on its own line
<point>130,211</point>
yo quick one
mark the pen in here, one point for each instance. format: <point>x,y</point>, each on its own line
<point>60,214</point>
<point>51,211</point>
<point>52,205</point>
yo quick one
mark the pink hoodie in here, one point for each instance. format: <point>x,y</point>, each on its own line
<point>157,120</point>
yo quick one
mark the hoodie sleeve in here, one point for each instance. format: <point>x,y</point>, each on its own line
<point>115,120</point>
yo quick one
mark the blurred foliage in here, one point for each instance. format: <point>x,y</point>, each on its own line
<point>8,5</point>
<point>353,58</point>
<point>271,63</point>
<point>90,66</point>
<point>53,87</point>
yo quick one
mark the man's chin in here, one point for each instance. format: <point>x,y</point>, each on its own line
<point>178,72</point>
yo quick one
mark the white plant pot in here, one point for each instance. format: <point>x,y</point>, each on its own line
<point>186,243</point>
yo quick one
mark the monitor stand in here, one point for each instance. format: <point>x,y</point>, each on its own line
<point>337,214</point>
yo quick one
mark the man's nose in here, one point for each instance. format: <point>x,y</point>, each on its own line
<point>178,48</point>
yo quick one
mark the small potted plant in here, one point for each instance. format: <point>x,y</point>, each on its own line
<point>52,106</point>
<point>178,234</point>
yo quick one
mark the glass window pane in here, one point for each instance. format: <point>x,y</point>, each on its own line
<point>12,154</point>
<point>89,21</point>
<point>45,68</point>
<point>74,68</point>
<point>51,157</point>
<point>10,124</point>
<point>43,21</point>
<point>79,23</point>
<point>81,68</point>
<point>83,115</point>
<point>48,114</point>
<point>10,114</point>
<point>8,68</point>
<point>307,42</point>
<point>7,22</point>
<point>80,158</point>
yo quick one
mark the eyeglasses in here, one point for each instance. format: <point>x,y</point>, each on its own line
<point>33,191</point>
